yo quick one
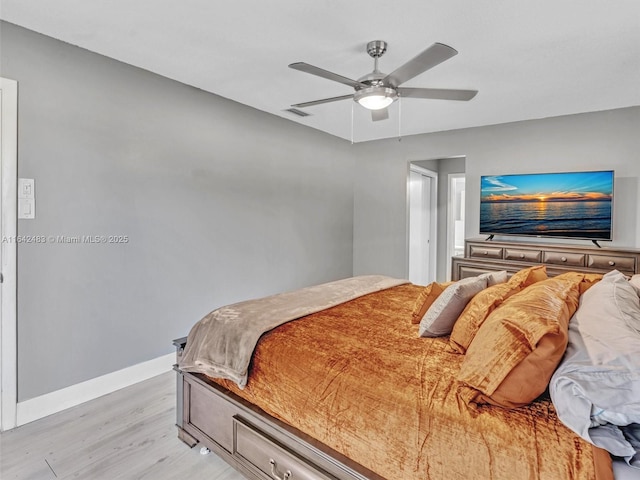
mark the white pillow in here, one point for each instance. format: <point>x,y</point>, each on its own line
<point>635,282</point>
<point>444,312</point>
<point>610,307</point>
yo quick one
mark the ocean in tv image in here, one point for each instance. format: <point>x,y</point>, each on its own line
<point>578,205</point>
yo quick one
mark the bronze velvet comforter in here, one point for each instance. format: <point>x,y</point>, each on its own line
<point>359,379</point>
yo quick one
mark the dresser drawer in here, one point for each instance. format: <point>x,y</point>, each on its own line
<point>610,262</point>
<point>523,255</point>
<point>485,252</point>
<point>482,255</point>
<point>564,258</point>
<point>257,451</point>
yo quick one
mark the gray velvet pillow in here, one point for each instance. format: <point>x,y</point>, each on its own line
<point>494,278</point>
<point>444,312</point>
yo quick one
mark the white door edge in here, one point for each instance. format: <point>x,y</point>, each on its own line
<point>8,320</point>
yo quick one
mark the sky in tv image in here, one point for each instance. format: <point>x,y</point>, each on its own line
<point>575,205</point>
<point>548,187</point>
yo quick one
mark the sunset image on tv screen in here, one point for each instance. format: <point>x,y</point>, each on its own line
<point>570,205</point>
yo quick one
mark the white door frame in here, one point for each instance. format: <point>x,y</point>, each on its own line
<point>433,227</point>
<point>451,221</point>
<point>8,227</point>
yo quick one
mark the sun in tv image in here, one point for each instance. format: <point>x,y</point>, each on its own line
<point>569,205</point>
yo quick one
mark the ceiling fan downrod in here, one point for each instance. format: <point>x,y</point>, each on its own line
<point>376,49</point>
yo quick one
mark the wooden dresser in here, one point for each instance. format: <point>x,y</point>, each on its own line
<point>482,256</point>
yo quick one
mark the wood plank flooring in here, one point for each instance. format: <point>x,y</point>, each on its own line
<point>128,434</point>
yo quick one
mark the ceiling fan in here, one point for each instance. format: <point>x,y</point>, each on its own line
<point>376,90</point>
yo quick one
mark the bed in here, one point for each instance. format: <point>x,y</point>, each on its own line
<point>362,389</point>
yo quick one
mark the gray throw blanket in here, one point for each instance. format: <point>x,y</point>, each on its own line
<point>222,343</point>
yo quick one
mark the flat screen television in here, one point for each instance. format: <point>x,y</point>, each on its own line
<point>563,205</point>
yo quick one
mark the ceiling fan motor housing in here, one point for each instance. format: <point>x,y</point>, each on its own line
<point>376,48</point>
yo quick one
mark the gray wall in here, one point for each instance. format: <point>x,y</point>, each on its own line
<point>220,203</point>
<point>590,141</point>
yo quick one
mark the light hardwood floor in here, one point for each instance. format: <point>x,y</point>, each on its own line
<point>128,434</point>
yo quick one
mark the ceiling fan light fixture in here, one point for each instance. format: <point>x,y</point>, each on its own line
<point>376,98</point>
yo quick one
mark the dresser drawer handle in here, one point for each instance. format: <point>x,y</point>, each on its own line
<point>274,472</point>
<point>564,259</point>
<point>486,252</point>
<point>612,263</point>
<point>522,255</point>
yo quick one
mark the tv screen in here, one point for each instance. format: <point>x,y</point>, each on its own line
<point>563,205</point>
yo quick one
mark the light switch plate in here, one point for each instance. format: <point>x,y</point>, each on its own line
<point>26,198</point>
<point>26,188</point>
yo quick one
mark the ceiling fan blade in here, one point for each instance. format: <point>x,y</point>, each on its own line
<point>382,114</point>
<point>429,58</point>
<point>320,72</point>
<point>324,100</point>
<point>437,93</point>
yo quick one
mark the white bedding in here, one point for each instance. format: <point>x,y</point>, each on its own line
<point>622,471</point>
<point>596,387</point>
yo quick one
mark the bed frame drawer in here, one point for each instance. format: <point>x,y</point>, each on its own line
<point>259,452</point>
<point>206,415</point>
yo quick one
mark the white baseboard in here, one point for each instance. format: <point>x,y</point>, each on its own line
<point>50,403</point>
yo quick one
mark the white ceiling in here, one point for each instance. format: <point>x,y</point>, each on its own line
<point>528,59</point>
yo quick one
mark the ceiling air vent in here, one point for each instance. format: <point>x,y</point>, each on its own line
<point>297,112</point>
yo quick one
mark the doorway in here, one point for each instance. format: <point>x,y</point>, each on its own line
<point>422,225</point>
<point>8,229</point>
<point>455,223</point>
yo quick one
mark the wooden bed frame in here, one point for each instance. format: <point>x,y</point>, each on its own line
<point>264,448</point>
<point>258,445</point>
